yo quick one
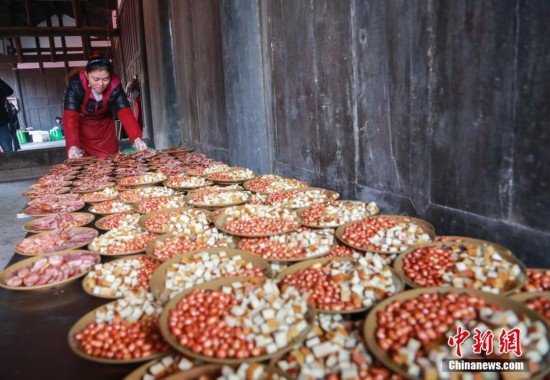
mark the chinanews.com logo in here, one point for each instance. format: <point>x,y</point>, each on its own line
<point>509,343</point>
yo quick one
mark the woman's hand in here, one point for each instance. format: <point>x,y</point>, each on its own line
<point>75,152</point>
<point>140,145</point>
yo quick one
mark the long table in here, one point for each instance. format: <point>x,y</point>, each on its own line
<point>34,328</point>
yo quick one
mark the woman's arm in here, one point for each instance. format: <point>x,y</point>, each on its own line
<point>122,108</point>
<point>70,128</point>
<point>71,115</point>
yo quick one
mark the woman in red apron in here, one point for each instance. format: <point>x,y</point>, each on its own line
<point>92,97</point>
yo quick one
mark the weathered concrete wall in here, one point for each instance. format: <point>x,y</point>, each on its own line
<point>432,108</point>
<point>27,164</point>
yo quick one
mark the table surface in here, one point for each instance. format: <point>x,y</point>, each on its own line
<point>34,331</point>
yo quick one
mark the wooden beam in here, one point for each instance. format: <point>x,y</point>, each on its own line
<point>40,59</point>
<point>51,41</point>
<point>31,23</point>
<point>63,42</point>
<point>56,31</point>
<point>67,49</point>
<point>19,49</point>
<point>78,20</point>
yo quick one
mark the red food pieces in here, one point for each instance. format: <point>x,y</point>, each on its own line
<point>122,339</point>
<point>257,226</point>
<point>341,251</point>
<point>426,318</point>
<point>537,281</point>
<point>114,221</point>
<point>425,266</point>
<point>358,234</point>
<point>541,305</point>
<point>198,321</point>
<point>324,291</point>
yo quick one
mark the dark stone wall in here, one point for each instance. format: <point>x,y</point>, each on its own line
<point>437,109</point>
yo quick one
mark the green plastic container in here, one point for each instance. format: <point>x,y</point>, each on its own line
<point>132,150</point>
<point>55,135</point>
<point>21,137</point>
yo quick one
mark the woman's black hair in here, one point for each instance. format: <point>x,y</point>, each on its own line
<point>99,63</point>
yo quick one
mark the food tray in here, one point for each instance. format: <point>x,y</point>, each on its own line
<point>426,227</point>
<point>397,281</point>
<point>99,223</point>
<point>333,225</point>
<point>29,226</point>
<point>143,219</point>
<point>32,260</point>
<point>188,198</point>
<point>464,239</point>
<point>524,297</point>
<point>142,370</point>
<point>213,371</point>
<point>38,186</point>
<point>99,188</point>
<point>231,181</point>
<point>371,323</point>
<point>124,254</point>
<point>328,194</point>
<point>123,181</point>
<point>163,203</point>
<point>299,184</point>
<point>75,347</point>
<point>80,245</point>
<point>185,188</point>
<point>178,150</point>
<point>88,290</point>
<point>294,259</point>
<point>219,221</point>
<point>25,211</point>
<point>91,208</point>
<point>159,276</point>
<point>217,284</point>
<point>398,265</point>
<point>34,193</point>
<point>99,201</point>
<point>150,249</point>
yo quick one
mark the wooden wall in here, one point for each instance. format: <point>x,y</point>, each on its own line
<point>431,108</point>
<point>200,76</point>
<point>40,95</point>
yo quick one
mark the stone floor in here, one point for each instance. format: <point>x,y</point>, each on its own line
<point>12,221</point>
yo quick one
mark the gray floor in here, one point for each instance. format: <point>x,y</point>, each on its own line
<point>12,221</point>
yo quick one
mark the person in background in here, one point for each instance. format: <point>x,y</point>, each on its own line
<point>92,98</point>
<point>14,125</point>
<point>133,95</point>
<point>5,138</point>
<point>59,124</point>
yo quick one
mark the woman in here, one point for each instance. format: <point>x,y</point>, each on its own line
<point>91,98</point>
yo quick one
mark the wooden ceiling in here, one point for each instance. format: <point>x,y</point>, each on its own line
<point>19,18</point>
